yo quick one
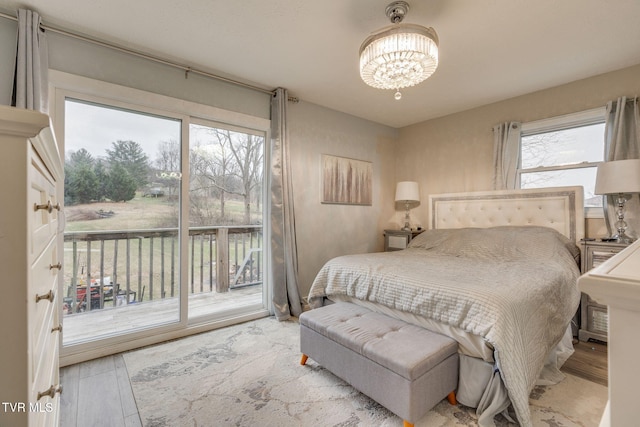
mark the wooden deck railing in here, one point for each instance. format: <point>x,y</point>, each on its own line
<point>124,267</point>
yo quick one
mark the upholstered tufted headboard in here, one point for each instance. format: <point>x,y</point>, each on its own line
<point>560,208</point>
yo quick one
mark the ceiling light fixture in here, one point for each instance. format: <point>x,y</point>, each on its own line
<point>399,55</point>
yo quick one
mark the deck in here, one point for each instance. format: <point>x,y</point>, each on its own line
<point>109,321</point>
<point>140,268</point>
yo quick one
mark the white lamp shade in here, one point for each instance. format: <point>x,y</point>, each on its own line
<point>407,192</point>
<point>618,176</point>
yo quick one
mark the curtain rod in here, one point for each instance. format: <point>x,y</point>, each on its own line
<point>185,68</point>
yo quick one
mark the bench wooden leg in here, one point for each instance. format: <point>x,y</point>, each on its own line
<point>304,358</point>
<point>451,397</point>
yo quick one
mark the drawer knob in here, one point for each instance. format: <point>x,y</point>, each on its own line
<point>51,392</point>
<point>48,207</point>
<point>57,266</point>
<point>57,328</point>
<point>48,296</point>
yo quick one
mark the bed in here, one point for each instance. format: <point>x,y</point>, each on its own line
<point>497,272</point>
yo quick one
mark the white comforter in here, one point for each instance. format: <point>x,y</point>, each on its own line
<point>513,286</point>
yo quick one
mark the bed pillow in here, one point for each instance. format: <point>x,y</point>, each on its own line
<point>505,243</point>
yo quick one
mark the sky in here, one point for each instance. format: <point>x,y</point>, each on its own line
<point>95,128</point>
<point>569,147</point>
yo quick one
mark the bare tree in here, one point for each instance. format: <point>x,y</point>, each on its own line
<point>248,154</point>
<point>210,176</point>
<point>167,165</point>
<point>536,153</point>
<point>226,165</point>
<point>232,167</point>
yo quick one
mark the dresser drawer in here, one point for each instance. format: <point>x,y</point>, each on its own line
<point>44,338</point>
<point>43,285</point>
<point>46,373</point>
<point>595,254</point>
<point>44,272</point>
<point>600,256</point>
<point>597,319</point>
<point>42,192</point>
<point>47,377</point>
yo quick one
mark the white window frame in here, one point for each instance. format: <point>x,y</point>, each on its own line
<point>568,121</point>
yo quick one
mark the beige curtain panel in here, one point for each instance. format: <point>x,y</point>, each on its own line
<point>30,86</point>
<point>506,155</point>
<point>622,141</point>
<point>284,252</point>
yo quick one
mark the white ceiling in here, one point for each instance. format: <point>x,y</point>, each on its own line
<point>489,49</point>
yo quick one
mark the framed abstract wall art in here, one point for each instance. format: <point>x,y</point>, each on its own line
<point>346,181</point>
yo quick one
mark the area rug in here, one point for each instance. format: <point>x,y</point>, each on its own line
<point>249,375</point>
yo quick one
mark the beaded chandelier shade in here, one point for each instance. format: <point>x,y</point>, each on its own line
<point>400,55</point>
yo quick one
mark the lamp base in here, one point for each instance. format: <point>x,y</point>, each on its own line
<point>621,238</point>
<point>407,222</point>
<point>621,225</point>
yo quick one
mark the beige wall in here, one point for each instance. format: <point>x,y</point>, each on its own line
<point>324,231</point>
<point>455,153</point>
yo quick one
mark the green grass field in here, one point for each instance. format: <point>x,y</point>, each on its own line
<point>143,213</point>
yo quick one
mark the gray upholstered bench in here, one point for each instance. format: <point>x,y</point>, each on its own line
<point>405,368</point>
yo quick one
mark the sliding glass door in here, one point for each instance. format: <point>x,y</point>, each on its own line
<point>226,267</point>
<point>122,194</point>
<point>164,217</point>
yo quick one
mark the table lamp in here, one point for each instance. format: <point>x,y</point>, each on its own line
<point>407,192</point>
<point>620,178</point>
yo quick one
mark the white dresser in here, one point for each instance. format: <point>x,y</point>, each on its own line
<point>31,181</point>
<point>616,283</point>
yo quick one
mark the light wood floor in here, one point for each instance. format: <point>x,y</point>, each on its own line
<point>589,362</point>
<point>98,392</point>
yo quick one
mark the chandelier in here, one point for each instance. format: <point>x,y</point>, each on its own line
<point>399,55</point>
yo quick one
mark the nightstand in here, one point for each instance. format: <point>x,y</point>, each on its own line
<point>396,240</point>
<point>594,318</point>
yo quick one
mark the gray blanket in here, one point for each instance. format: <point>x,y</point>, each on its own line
<point>513,286</point>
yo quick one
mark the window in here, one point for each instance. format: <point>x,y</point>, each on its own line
<point>564,151</point>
